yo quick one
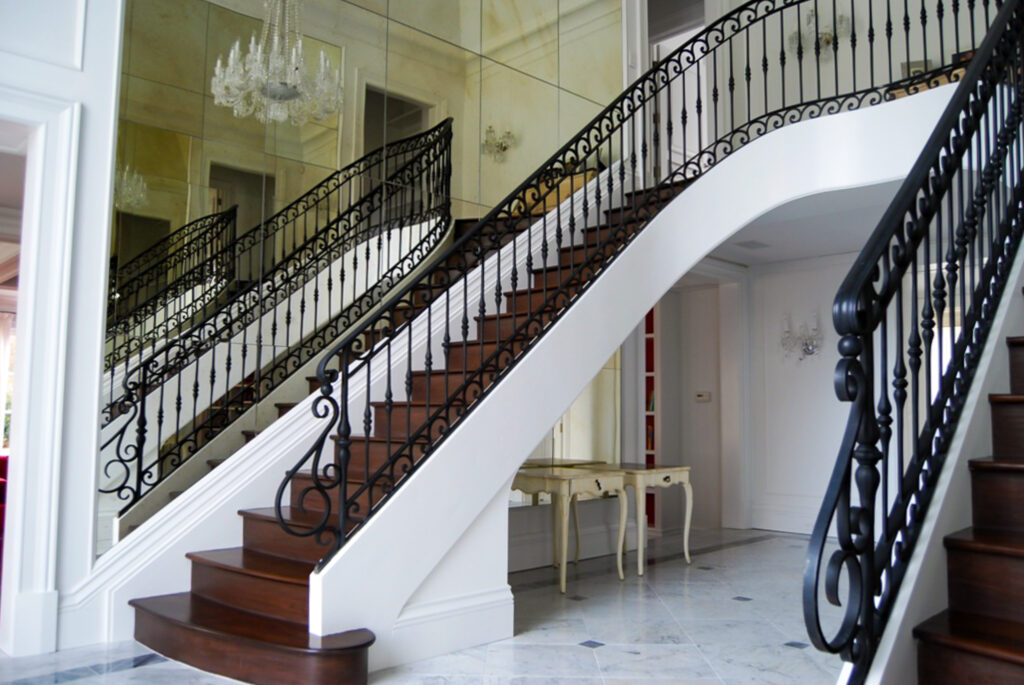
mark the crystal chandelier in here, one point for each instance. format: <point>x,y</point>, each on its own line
<point>130,190</point>
<point>271,81</point>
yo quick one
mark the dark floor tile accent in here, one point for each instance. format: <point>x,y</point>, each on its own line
<point>593,644</point>
<point>81,672</point>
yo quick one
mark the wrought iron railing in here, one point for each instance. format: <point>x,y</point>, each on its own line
<point>913,317</point>
<point>161,264</point>
<point>149,293</point>
<point>245,260</point>
<point>192,387</point>
<point>447,338</point>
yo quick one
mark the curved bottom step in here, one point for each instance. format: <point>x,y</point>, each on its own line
<point>256,649</point>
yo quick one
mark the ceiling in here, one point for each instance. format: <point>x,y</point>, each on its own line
<point>830,223</point>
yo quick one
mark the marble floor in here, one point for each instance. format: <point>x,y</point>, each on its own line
<point>731,616</point>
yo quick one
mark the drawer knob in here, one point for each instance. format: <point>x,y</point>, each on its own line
<point>667,479</point>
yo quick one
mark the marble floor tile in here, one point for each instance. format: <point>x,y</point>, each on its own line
<point>683,663</point>
<point>550,661</point>
<point>765,665</point>
<point>732,616</point>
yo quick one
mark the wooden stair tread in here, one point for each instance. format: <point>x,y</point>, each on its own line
<point>295,517</point>
<point>1015,341</point>
<point>201,615</point>
<point>996,465</point>
<point>987,541</point>
<point>241,560</point>
<point>982,635</point>
<point>1006,398</point>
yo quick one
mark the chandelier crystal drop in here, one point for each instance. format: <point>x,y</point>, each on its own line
<point>130,190</point>
<point>270,81</point>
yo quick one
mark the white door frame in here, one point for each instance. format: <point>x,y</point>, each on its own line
<point>28,605</point>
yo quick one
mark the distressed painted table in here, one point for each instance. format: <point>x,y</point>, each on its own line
<point>567,485</point>
<point>640,477</point>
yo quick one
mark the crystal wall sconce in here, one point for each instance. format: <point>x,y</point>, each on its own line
<point>496,146</point>
<point>805,341</point>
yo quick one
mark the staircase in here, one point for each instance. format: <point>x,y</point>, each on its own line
<point>344,247</point>
<point>980,637</point>
<point>410,374</point>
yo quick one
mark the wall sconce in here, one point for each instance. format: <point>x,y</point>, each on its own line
<point>806,341</point>
<point>828,31</point>
<point>496,146</point>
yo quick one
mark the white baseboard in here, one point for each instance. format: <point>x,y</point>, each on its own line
<point>428,629</point>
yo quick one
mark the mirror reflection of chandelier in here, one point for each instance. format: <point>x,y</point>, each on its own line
<point>270,81</point>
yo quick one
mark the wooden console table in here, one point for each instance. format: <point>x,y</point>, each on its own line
<point>640,477</point>
<point>567,485</point>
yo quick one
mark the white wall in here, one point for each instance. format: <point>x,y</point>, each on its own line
<point>58,77</point>
<point>699,423</point>
<point>798,421</point>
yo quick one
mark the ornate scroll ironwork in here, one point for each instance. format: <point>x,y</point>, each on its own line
<point>913,317</point>
<point>350,262</point>
<point>559,230</point>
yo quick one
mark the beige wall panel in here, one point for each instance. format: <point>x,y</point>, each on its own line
<point>455,21</point>
<point>590,48</point>
<point>525,106</point>
<point>522,34</point>
<point>162,105</point>
<point>169,42</point>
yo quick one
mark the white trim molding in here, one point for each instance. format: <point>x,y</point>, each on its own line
<point>28,608</point>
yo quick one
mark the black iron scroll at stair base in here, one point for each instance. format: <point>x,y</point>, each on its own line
<point>151,430</point>
<point>765,65</point>
<point>913,317</point>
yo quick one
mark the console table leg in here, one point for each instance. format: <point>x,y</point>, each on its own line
<point>563,530</point>
<point>576,527</point>
<point>641,527</point>
<point>623,507</point>
<point>686,523</point>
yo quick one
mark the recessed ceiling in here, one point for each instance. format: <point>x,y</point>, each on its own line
<point>12,180</point>
<point>830,223</point>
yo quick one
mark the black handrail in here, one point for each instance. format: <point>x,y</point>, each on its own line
<point>150,323</point>
<point>572,217</point>
<point>913,316</point>
<point>207,262</point>
<point>163,259</point>
<point>297,308</point>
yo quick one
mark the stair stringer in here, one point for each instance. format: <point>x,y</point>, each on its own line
<point>371,580</point>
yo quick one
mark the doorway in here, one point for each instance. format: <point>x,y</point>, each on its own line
<point>253,194</point>
<point>12,190</point>
<point>387,118</point>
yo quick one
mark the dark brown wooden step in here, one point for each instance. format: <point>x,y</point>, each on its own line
<point>253,582</point>
<point>407,417</point>
<point>379,449</point>
<point>313,383</point>
<point>440,381</point>
<point>249,435</point>
<point>245,646</point>
<point>576,256</point>
<point>1015,346</point>
<point>986,573</point>
<point>539,299</point>
<point>1007,427</point>
<point>284,407</point>
<point>302,493</point>
<point>958,648</point>
<point>492,325</point>
<point>262,533</point>
<point>997,494</point>
<point>470,356</point>
<point>214,463</point>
